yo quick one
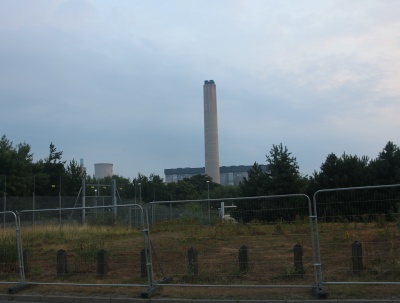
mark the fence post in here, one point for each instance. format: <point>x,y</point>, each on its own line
<point>298,259</point>
<point>193,266</point>
<point>143,265</point>
<point>243,259</point>
<point>61,262</point>
<point>102,263</point>
<point>356,255</point>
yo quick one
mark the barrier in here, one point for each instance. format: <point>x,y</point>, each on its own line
<point>105,251</point>
<point>253,245</point>
<point>346,236</point>
<point>11,256</point>
<point>358,232</point>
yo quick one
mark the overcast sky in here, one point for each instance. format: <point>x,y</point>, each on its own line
<point>122,81</point>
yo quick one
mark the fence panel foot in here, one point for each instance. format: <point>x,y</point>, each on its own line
<point>320,292</point>
<point>151,290</point>
<point>20,287</point>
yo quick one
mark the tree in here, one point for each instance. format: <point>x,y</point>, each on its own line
<point>49,173</point>
<point>159,188</point>
<point>330,171</point>
<point>203,185</point>
<point>182,190</point>
<point>385,169</point>
<point>228,191</point>
<point>255,183</point>
<point>353,171</point>
<point>283,176</point>
<point>346,171</point>
<point>16,166</point>
<point>144,188</point>
<point>73,178</point>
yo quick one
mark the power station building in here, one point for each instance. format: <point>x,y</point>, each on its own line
<point>229,175</point>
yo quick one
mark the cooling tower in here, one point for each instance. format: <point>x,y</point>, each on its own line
<point>102,170</point>
<point>211,131</point>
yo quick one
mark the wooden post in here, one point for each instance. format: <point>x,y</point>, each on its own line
<point>102,263</point>
<point>356,256</point>
<point>298,259</point>
<point>193,266</point>
<point>61,262</point>
<point>243,259</point>
<point>143,265</point>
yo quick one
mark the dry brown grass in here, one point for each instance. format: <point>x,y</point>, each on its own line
<point>270,259</point>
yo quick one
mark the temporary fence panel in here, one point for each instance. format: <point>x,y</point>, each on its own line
<point>106,250</point>
<point>244,242</point>
<point>11,259</point>
<point>358,235</point>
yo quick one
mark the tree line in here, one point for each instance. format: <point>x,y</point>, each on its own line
<point>52,176</point>
<point>20,176</point>
<point>283,176</point>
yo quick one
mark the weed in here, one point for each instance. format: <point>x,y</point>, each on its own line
<point>344,222</point>
<point>290,270</point>
<point>365,219</point>
<point>356,220</point>
<point>301,224</point>
<point>279,227</point>
<point>380,220</point>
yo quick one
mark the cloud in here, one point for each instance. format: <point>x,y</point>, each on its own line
<point>121,82</point>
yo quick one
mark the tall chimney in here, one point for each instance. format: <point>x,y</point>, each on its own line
<point>211,131</point>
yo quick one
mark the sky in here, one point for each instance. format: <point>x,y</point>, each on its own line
<point>121,82</point>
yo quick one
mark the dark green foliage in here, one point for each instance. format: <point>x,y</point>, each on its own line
<point>195,188</point>
<point>73,177</point>
<point>21,177</point>
<point>271,209</point>
<point>385,169</point>
<point>283,176</point>
<point>354,171</point>
<point>15,167</point>
<point>255,184</point>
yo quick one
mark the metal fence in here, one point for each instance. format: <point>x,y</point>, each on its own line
<point>11,261</point>
<point>345,236</point>
<point>358,235</point>
<point>57,249</point>
<point>238,242</point>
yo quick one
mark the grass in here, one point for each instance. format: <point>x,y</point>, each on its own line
<point>270,258</point>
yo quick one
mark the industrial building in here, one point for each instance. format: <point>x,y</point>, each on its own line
<point>229,175</point>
